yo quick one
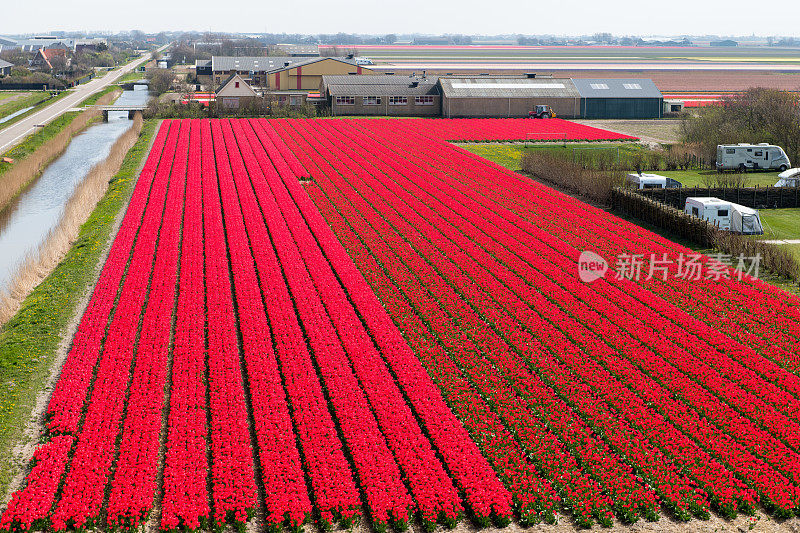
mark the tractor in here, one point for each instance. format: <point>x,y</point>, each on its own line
<point>542,111</point>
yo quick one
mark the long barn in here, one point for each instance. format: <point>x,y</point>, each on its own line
<point>493,96</point>
<point>484,96</point>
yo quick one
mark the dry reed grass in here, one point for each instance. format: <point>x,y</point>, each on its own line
<point>26,170</point>
<point>40,264</point>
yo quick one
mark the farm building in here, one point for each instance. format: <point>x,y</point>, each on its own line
<point>235,93</point>
<point>619,98</point>
<point>484,96</point>
<point>252,68</point>
<point>306,74</point>
<point>382,95</point>
<point>298,50</point>
<point>276,73</point>
<point>5,68</point>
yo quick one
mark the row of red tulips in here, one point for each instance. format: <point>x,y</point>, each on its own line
<point>185,503</point>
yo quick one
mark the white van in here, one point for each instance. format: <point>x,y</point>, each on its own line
<point>726,215</point>
<point>751,157</point>
<point>652,181</point>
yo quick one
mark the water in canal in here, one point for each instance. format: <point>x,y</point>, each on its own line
<point>26,222</point>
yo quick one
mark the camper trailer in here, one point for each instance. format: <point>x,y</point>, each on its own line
<point>726,215</point>
<point>652,181</point>
<point>751,157</point>
<point>789,178</point>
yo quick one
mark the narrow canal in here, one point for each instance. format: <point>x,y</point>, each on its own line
<point>26,222</point>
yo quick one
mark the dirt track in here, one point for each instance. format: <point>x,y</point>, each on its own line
<point>649,131</point>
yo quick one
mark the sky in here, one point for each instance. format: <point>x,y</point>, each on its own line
<point>475,17</point>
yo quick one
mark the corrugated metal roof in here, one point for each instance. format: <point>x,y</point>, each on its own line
<point>249,63</point>
<point>5,64</point>
<point>382,90</point>
<point>617,88</point>
<point>294,49</point>
<point>302,61</point>
<point>485,87</point>
<point>375,79</point>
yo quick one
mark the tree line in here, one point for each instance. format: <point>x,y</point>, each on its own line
<point>758,115</point>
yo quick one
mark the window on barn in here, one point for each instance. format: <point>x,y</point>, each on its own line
<point>398,100</point>
<point>632,86</point>
<point>237,84</point>
<point>345,100</point>
<point>372,100</point>
<point>598,86</point>
<point>423,100</point>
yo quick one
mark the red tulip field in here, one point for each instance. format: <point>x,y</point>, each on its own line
<point>332,321</point>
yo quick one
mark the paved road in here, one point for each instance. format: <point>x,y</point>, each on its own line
<point>19,130</point>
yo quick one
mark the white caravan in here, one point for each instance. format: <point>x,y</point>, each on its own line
<point>790,178</point>
<point>726,215</point>
<point>751,157</point>
<point>652,181</point>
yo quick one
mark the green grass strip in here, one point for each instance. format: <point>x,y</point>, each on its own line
<point>30,340</point>
<point>37,100</point>
<point>91,100</point>
<point>37,139</point>
<point>30,100</point>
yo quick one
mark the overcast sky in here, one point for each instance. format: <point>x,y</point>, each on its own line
<point>488,17</point>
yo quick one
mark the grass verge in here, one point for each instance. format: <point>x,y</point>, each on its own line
<point>30,341</point>
<point>510,156</point>
<point>37,139</point>
<point>92,100</point>
<point>36,101</point>
<point>29,100</point>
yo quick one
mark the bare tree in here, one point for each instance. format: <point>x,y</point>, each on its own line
<point>160,80</point>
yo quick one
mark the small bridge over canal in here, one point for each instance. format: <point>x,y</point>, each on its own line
<point>131,109</point>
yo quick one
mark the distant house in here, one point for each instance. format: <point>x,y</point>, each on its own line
<point>5,68</point>
<point>235,93</point>
<point>202,70</point>
<point>44,56</point>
